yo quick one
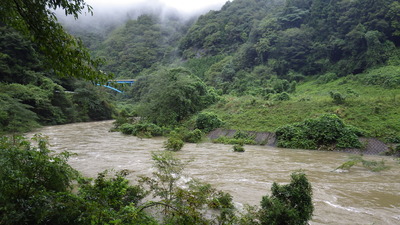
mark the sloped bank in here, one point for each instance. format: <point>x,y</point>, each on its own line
<point>371,146</point>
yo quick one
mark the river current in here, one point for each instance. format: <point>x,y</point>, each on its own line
<point>357,196</point>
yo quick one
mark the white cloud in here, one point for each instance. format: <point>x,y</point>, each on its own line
<point>184,6</point>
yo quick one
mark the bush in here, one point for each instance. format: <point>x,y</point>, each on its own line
<point>234,141</point>
<point>194,136</point>
<point>208,121</point>
<point>173,144</point>
<point>282,97</point>
<point>337,97</point>
<point>327,130</point>
<point>238,148</point>
<point>387,76</point>
<point>141,129</point>
<point>33,182</point>
<point>288,204</point>
<point>127,128</point>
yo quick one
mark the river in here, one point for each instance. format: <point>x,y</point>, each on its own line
<point>354,197</point>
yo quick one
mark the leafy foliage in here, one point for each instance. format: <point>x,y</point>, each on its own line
<point>194,136</point>
<point>32,180</point>
<point>108,198</point>
<point>308,37</point>
<point>337,97</point>
<point>172,96</point>
<point>141,129</point>
<point>388,77</point>
<point>324,131</point>
<point>288,204</point>
<point>63,53</point>
<point>174,144</point>
<point>238,148</point>
<point>36,187</point>
<point>31,95</point>
<point>185,205</point>
<point>207,121</point>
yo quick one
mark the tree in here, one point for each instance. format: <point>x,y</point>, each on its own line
<point>185,202</point>
<point>15,117</point>
<point>173,95</point>
<point>32,183</point>
<point>327,131</point>
<point>288,204</point>
<point>64,54</point>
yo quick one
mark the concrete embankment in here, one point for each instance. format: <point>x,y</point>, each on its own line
<point>371,146</point>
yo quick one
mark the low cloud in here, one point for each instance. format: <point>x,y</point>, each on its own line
<point>109,13</point>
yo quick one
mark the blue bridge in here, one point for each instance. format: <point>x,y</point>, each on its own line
<point>120,81</point>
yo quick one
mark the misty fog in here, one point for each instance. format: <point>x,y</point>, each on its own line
<point>109,14</point>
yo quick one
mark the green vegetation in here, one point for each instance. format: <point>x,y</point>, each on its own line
<point>39,187</point>
<point>208,121</point>
<point>63,53</point>
<point>373,166</point>
<point>174,144</point>
<point>371,108</point>
<point>327,131</point>
<point>238,139</point>
<point>172,95</point>
<point>141,129</point>
<point>31,94</point>
<point>288,204</point>
<point>238,148</point>
<point>139,45</point>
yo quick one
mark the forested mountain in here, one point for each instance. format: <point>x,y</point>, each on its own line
<point>31,95</point>
<point>140,44</point>
<point>256,39</point>
<point>306,36</point>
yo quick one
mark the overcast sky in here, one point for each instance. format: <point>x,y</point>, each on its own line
<point>184,6</point>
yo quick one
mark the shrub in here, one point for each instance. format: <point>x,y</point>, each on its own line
<point>194,136</point>
<point>288,204</point>
<point>337,97</point>
<point>141,129</point>
<point>34,183</point>
<point>282,97</point>
<point>208,121</point>
<point>387,76</point>
<point>234,141</point>
<point>280,85</point>
<point>173,144</point>
<point>238,148</point>
<point>327,130</point>
<point>127,128</point>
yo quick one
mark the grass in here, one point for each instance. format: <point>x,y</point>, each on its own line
<point>372,108</point>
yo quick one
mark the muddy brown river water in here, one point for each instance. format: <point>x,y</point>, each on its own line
<point>354,197</point>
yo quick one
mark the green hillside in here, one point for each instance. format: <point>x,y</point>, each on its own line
<point>372,108</point>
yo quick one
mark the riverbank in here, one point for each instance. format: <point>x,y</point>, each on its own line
<point>372,108</point>
<point>371,146</point>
